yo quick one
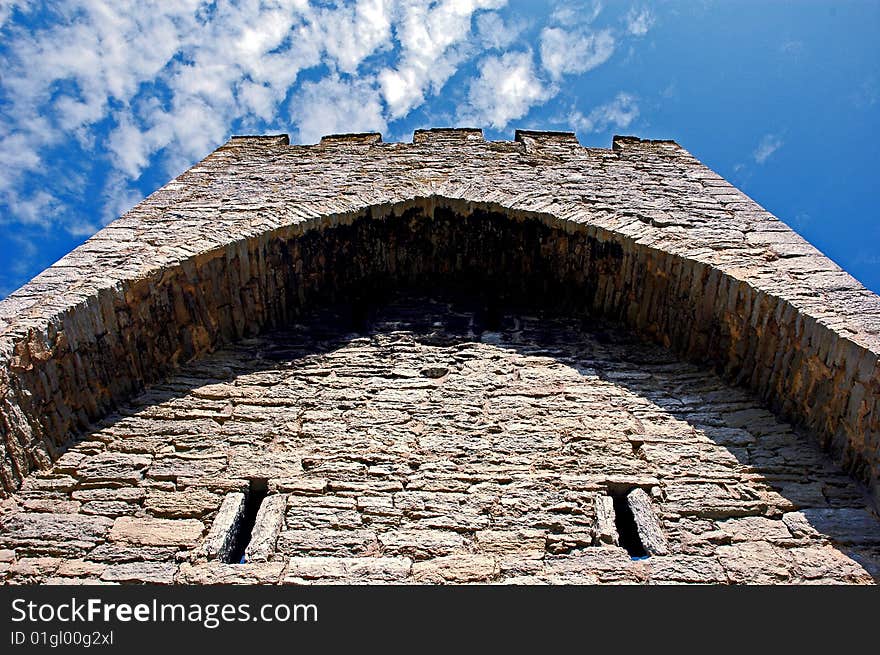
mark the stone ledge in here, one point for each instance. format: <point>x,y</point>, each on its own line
<point>442,136</point>
<point>354,138</point>
<point>258,140</point>
<point>620,142</point>
<point>545,136</point>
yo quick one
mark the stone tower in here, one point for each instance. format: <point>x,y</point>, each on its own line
<point>449,360</point>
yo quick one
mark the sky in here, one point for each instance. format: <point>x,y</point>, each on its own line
<point>103,102</point>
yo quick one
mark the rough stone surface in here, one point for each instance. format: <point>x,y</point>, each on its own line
<point>642,233</point>
<point>268,523</point>
<point>501,470</point>
<point>219,544</point>
<point>605,516</point>
<point>348,570</point>
<point>648,527</point>
<point>140,573</point>
<point>622,319</point>
<point>156,532</point>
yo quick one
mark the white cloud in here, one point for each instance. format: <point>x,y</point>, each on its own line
<point>564,52</point>
<point>17,152</point>
<point>494,32</point>
<point>335,105</point>
<point>429,36</point>
<point>576,13</point>
<point>867,94</point>
<point>6,8</point>
<point>506,88</point>
<point>639,21</point>
<point>150,85</point>
<point>130,147</point>
<point>69,73</point>
<point>118,197</point>
<point>28,247</point>
<point>38,208</point>
<point>174,77</point>
<point>350,34</point>
<point>768,145</point>
<point>792,47</point>
<point>617,114</point>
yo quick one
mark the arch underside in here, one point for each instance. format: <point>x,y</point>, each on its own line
<point>101,352</point>
<point>392,471</point>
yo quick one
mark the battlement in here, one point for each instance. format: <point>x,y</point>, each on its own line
<point>621,142</point>
<point>456,136</point>
<point>440,136</point>
<point>262,140</point>
<point>359,139</point>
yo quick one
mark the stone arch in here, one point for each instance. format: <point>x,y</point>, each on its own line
<point>143,306</point>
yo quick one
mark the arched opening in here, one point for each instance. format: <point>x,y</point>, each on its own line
<point>104,351</point>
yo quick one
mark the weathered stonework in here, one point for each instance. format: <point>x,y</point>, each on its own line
<point>150,376</point>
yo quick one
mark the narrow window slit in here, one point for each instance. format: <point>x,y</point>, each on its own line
<point>493,317</point>
<point>627,530</point>
<point>241,531</point>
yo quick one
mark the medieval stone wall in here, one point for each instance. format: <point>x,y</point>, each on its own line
<point>643,233</point>
<point>262,233</point>
<point>439,444</point>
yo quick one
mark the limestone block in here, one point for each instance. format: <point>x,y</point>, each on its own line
<point>221,573</point>
<point>191,503</point>
<point>24,529</point>
<point>327,542</point>
<point>269,522</point>
<point>454,569</point>
<point>219,542</point>
<point>305,570</point>
<point>140,573</point>
<point>421,544</point>
<point>157,532</point>
<point>649,528</point>
<point>605,526</point>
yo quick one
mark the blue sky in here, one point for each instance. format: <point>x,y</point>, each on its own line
<point>102,102</point>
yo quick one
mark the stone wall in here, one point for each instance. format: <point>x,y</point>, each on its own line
<point>259,231</point>
<point>433,441</point>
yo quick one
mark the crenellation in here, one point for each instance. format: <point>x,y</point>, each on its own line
<point>258,140</point>
<point>353,139</point>
<point>537,140</point>
<point>445,136</point>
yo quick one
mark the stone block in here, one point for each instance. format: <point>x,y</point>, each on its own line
<point>184,533</point>
<point>324,570</point>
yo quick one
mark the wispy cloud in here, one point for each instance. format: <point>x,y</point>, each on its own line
<point>6,9</point>
<point>619,113</point>
<point>578,51</point>
<point>428,36</point>
<point>792,47</point>
<point>506,88</point>
<point>768,145</point>
<point>148,84</point>
<point>496,32</point>
<point>867,94</point>
<point>639,21</point>
<point>101,98</point>
<point>118,197</point>
<point>335,105</point>
<point>581,13</point>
